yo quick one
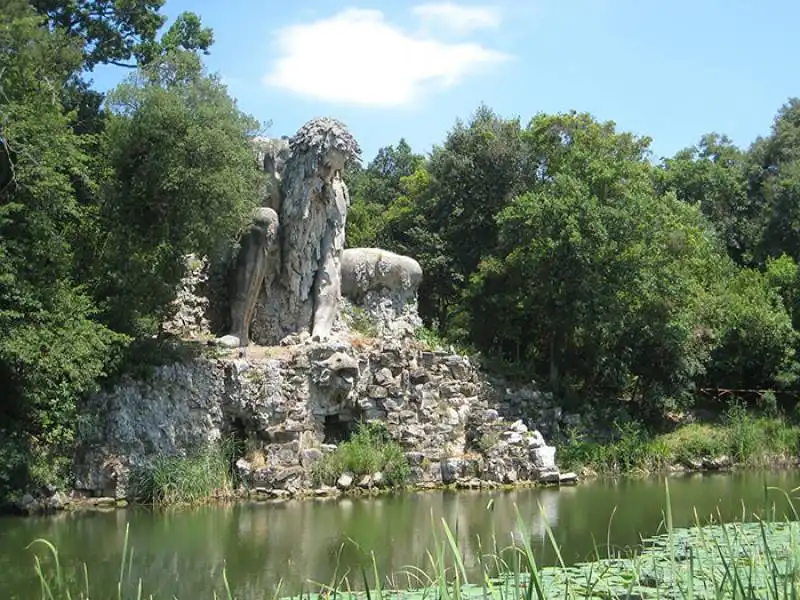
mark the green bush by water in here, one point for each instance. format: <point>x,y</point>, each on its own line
<point>742,561</point>
<point>192,479</point>
<point>746,439</point>
<point>370,450</point>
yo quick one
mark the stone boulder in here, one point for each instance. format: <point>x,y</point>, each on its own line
<point>383,286</point>
<point>373,269</point>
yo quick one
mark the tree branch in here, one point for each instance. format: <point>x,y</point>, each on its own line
<point>119,64</point>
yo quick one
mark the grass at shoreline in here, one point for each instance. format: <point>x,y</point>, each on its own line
<point>740,438</point>
<point>759,559</point>
<point>173,480</point>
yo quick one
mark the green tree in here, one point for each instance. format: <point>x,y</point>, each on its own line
<point>51,348</point>
<point>446,219</point>
<point>713,176</point>
<point>117,31</point>
<point>774,184</point>
<point>596,280</point>
<point>756,341</point>
<point>182,179</point>
<point>783,276</point>
<point>374,189</point>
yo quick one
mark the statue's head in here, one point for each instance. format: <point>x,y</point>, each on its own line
<point>328,143</point>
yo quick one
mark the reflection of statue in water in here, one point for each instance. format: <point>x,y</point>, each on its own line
<point>287,271</point>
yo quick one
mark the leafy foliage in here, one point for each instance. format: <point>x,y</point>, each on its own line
<point>199,477</point>
<point>115,31</point>
<point>594,280</point>
<point>560,248</point>
<point>182,179</point>
<point>51,347</point>
<point>78,253</point>
<point>370,450</point>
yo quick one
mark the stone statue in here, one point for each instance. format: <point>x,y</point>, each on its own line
<point>288,277</point>
<point>313,210</point>
<point>313,217</point>
<point>258,258</point>
<point>384,286</point>
<point>271,155</point>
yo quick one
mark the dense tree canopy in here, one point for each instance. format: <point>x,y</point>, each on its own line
<point>563,246</point>
<point>98,206</point>
<point>181,180</point>
<point>121,32</point>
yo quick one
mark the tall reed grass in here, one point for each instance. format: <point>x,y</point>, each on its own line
<point>193,479</point>
<point>741,561</point>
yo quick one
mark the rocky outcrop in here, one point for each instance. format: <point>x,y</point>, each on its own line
<point>381,286</point>
<point>296,402</point>
<point>190,317</point>
<point>323,363</point>
<point>373,269</point>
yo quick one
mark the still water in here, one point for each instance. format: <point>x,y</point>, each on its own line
<point>183,552</point>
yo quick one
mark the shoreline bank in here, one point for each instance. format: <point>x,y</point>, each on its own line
<point>44,506</point>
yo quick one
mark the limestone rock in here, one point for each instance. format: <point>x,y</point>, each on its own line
<point>297,407</point>
<point>451,469</point>
<point>345,481</point>
<point>374,269</point>
<point>243,469</point>
<point>228,341</point>
<point>568,478</point>
<point>544,458</point>
<point>191,306</point>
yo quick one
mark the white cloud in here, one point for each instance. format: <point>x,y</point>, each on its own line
<point>356,57</point>
<point>458,18</point>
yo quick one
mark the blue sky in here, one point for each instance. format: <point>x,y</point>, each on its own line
<point>672,70</point>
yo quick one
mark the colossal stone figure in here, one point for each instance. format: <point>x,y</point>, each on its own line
<point>312,213</point>
<point>258,259</point>
<point>286,276</point>
<point>290,258</point>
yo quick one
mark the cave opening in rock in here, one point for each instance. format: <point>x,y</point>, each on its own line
<point>337,430</point>
<point>238,438</point>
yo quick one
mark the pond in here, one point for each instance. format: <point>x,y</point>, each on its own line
<point>183,552</point>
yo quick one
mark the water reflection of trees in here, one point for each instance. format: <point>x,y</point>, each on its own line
<point>183,552</point>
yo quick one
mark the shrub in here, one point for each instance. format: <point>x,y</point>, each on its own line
<point>694,441</point>
<point>632,448</point>
<point>370,450</point>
